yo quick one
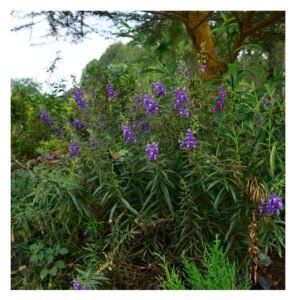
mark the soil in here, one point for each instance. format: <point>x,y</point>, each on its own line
<point>273,276</point>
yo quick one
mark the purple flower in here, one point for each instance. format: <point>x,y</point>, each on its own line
<point>186,72</point>
<point>214,108</point>
<point>74,149</point>
<point>128,134</point>
<point>78,123</point>
<point>273,206</point>
<point>45,118</point>
<point>144,126</point>
<point>151,105</point>
<point>49,156</point>
<point>101,122</point>
<point>112,94</point>
<point>222,92</point>
<point>159,89</point>
<point>138,102</point>
<point>58,132</point>
<point>266,102</point>
<point>93,92</point>
<point>76,285</point>
<point>78,95</point>
<point>183,70</point>
<point>181,102</point>
<point>189,142</point>
<point>152,151</point>
<point>202,68</point>
<point>94,144</point>
<point>138,99</point>
<point>257,119</point>
<point>220,100</point>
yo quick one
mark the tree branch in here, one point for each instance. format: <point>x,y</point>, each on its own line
<point>263,23</point>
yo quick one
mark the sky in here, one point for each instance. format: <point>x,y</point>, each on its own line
<point>32,55</point>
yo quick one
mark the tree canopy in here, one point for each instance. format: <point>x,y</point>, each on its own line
<point>206,30</point>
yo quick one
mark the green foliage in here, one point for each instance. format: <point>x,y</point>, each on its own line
<point>217,273</point>
<point>26,104</point>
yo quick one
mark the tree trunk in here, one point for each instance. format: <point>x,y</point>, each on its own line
<point>197,26</point>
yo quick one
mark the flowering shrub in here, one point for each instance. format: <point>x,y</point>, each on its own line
<point>149,169</point>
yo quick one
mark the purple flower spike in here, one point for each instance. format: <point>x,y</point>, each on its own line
<point>159,89</point>
<point>266,103</point>
<point>128,134</point>
<point>273,206</point>
<point>78,95</point>
<point>78,123</point>
<point>112,94</point>
<point>152,151</point>
<point>189,142</point>
<point>186,72</point>
<point>181,102</point>
<point>45,118</point>
<point>77,287</point>
<point>58,132</point>
<point>94,144</point>
<point>151,105</point>
<point>202,68</point>
<point>74,149</point>
<point>220,100</point>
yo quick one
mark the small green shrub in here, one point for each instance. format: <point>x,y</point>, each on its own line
<point>218,273</point>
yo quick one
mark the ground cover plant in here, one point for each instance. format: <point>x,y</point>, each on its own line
<point>129,177</point>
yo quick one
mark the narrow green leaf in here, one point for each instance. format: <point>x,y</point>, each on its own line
<point>213,184</point>
<point>112,212</point>
<point>126,203</point>
<point>219,198</point>
<point>168,199</point>
<point>272,159</point>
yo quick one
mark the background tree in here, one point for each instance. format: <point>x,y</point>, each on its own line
<point>238,28</point>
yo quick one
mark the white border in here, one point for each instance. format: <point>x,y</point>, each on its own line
<point>292,153</point>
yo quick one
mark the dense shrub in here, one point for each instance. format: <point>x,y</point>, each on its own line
<point>142,164</point>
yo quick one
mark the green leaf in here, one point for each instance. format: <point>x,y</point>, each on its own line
<point>44,273</point>
<point>213,184</point>
<point>60,264</point>
<point>272,159</point>
<point>168,199</point>
<point>219,198</point>
<point>50,258</point>
<point>125,202</point>
<point>153,70</point>
<point>33,258</point>
<point>53,271</point>
<point>63,251</point>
